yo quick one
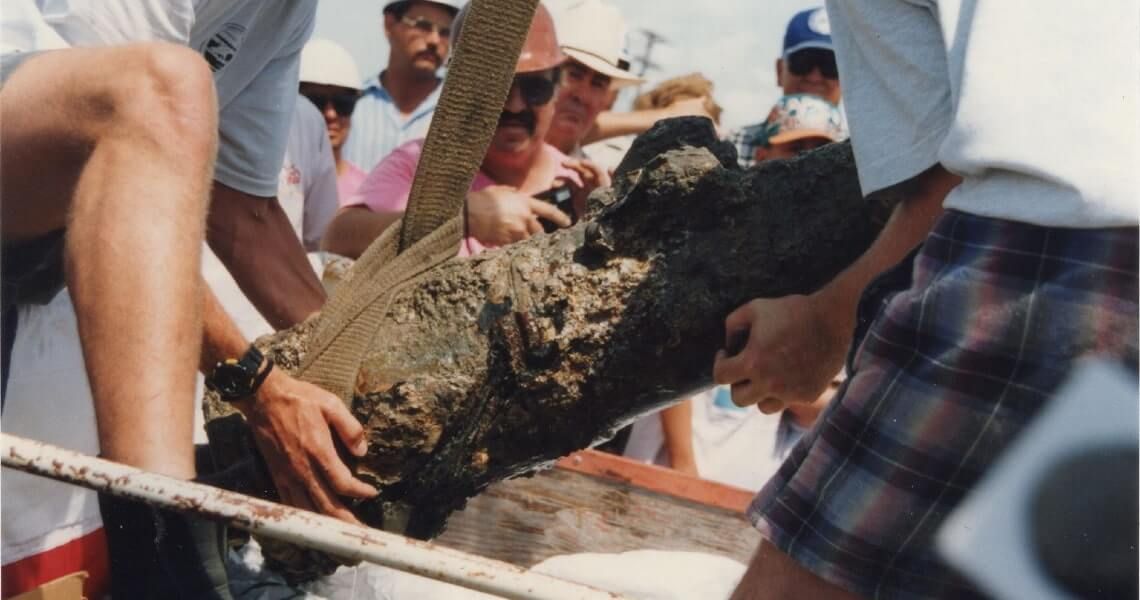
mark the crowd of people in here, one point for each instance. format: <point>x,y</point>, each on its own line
<point>174,175</point>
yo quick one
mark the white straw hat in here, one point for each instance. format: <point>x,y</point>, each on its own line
<point>593,33</point>
<point>454,5</point>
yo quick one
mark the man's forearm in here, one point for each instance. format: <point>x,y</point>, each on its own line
<point>221,338</point>
<point>610,124</point>
<point>253,238</point>
<point>354,228</point>
<point>909,224</point>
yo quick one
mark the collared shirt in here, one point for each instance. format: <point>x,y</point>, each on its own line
<point>388,186</point>
<point>349,180</point>
<point>747,140</point>
<point>378,127</point>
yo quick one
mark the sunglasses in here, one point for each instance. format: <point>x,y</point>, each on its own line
<point>426,27</point>
<point>342,103</point>
<point>538,88</point>
<point>802,62</point>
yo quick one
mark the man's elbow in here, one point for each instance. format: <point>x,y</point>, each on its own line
<point>354,228</point>
<point>338,237</point>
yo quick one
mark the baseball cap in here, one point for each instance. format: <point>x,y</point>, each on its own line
<point>808,29</point>
<point>799,116</point>
<point>593,33</point>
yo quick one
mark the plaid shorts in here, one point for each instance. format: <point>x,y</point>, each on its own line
<point>959,350</point>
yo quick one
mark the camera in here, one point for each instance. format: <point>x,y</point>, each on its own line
<point>562,199</point>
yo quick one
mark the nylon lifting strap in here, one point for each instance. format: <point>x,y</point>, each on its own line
<point>478,81</point>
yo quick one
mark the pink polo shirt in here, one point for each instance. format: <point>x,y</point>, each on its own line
<point>348,181</point>
<point>387,187</point>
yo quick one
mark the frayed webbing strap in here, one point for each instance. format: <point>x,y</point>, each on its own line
<point>358,306</point>
<point>478,81</point>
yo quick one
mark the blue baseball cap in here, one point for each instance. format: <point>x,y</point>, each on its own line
<point>808,29</point>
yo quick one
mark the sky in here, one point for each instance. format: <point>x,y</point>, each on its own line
<point>734,43</point>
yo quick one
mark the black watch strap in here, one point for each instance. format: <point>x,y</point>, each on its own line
<point>261,375</point>
<point>251,360</point>
<point>236,379</point>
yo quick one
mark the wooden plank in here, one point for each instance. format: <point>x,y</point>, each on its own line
<point>658,479</point>
<point>566,510</point>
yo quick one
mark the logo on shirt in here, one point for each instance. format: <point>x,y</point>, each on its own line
<point>290,174</point>
<point>223,46</point>
<point>818,22</point>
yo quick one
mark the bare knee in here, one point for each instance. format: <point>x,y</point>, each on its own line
<point>149,104</point>
<point>165,93</point>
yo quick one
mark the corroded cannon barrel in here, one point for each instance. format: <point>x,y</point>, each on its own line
<point>495,365</point>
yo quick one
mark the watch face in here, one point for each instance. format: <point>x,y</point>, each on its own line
<point>232,381</point>
<point>235,379</point>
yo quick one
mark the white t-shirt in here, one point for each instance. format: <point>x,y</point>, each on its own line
<point>48,399</point>
<point>307,188</point>
<point>252,46</point>
<point>1033,103</point>
<point>22,29</point>
<point>735,445</point>
<point>307,193</point>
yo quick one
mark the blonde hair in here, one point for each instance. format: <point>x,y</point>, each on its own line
<point>693,85</point>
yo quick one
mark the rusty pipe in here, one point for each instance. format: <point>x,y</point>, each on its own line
<point>289,524</point>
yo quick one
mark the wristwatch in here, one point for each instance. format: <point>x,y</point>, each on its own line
<point>238,378</point>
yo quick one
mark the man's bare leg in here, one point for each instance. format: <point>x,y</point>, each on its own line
<point>773,575</point>
<point>117,145</point>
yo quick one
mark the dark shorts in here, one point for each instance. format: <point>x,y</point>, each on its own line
<point>31,272</point>
<point>959,352</point>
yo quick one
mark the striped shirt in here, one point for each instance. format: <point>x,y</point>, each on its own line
<point>378,127</point>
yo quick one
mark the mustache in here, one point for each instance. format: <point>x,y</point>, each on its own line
<point>525,119</point>
<point>431,52</point>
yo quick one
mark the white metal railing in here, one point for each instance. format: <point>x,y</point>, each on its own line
<point>289,524</point>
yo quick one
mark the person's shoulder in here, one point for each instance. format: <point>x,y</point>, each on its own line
<point>353,172</point>
<point>305,112</point>
<point>308,125</point>
<point>294,13</point>
<point>287,21</point>
<point>372,87</point>
<point>402,160</point>
<point>409,149</point>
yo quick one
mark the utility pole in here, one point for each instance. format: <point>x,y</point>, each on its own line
<point>643,61</point>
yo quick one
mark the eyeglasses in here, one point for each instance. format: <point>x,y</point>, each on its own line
<point>802,62</point>
<point>537,88</point>
<point>426,26</point>
<point>342,103</point>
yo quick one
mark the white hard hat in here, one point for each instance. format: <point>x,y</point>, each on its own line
<point>328,63</point>
<point>593,33</point>
<point>454,5</point>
